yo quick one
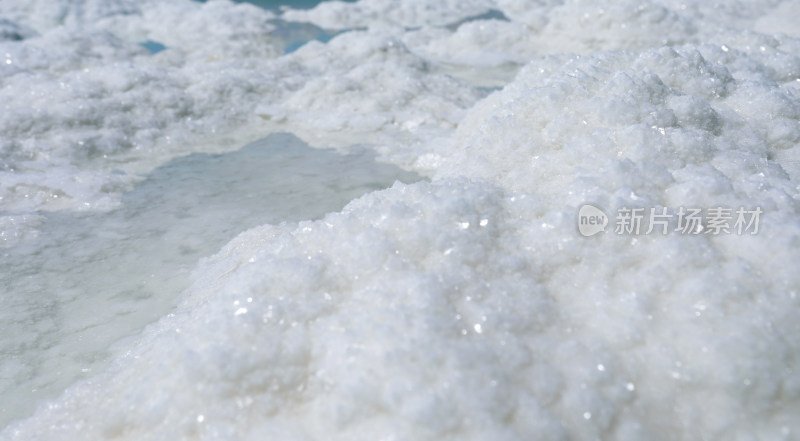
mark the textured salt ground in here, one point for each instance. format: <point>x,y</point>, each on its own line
<point>467,307</point>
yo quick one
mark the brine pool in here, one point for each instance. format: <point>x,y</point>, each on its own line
<point>89,280</point>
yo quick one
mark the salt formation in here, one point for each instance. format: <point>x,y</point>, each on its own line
<point>467,306</point>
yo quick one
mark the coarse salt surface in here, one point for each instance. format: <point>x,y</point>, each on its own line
<point>467,306</point>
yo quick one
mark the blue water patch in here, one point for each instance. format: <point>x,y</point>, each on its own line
<point>279,4</point>
<point>153,46</point>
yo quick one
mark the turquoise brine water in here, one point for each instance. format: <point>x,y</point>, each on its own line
<point>277,4</point>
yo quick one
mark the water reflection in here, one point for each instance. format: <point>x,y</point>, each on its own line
<point>89,280</point>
